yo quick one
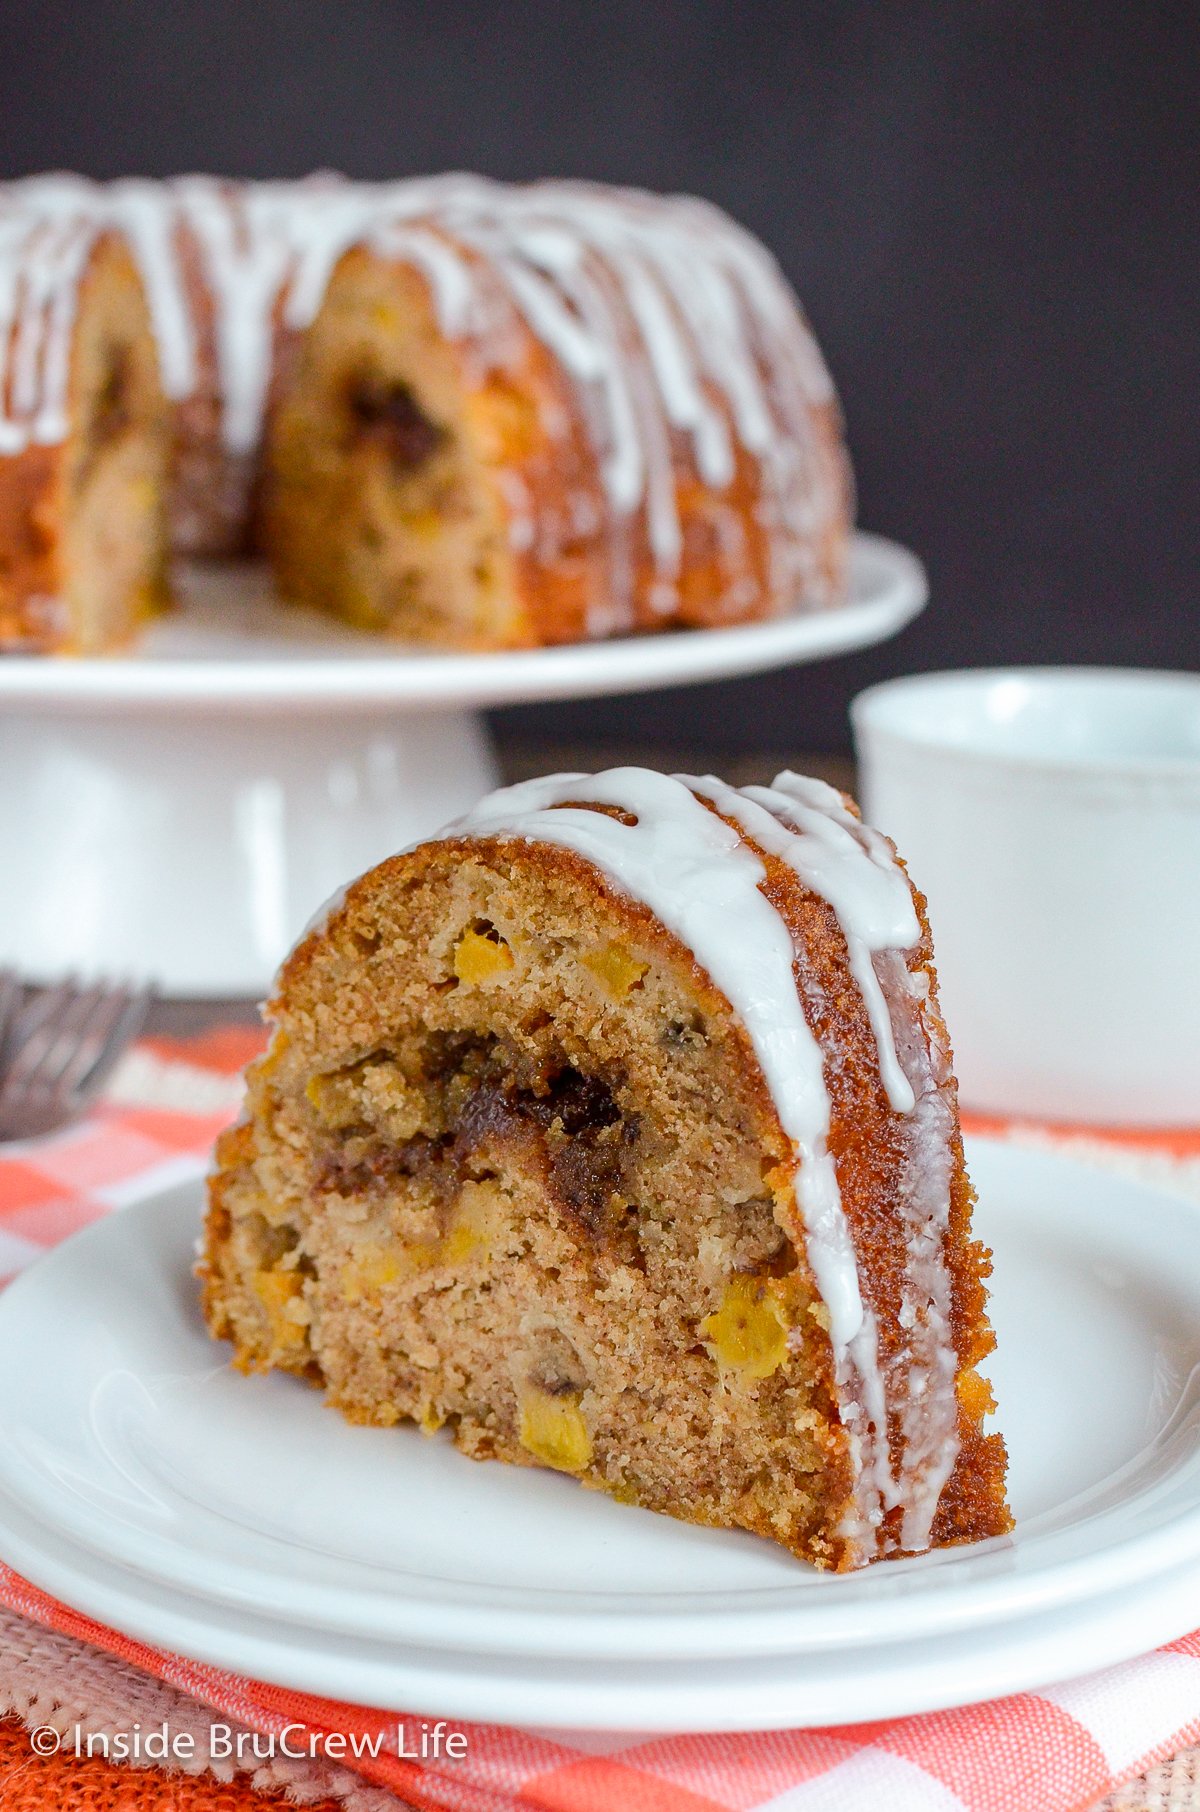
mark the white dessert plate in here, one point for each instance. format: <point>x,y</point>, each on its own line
<point>238,1521</point>
<point>776,1692</point>
<point>234,646</point>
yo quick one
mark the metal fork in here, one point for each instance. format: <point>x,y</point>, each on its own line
<point>57,1049</point>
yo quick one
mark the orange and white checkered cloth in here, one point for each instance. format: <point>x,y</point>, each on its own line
<point>1058,1750</point>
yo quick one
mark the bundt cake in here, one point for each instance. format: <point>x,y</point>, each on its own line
<point>614,1131</point>
<point>447,409</point>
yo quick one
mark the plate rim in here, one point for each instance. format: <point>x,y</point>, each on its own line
<point>657,1698</point>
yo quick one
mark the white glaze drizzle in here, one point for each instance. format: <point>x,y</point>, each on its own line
<point>258,242</point>
<point>699,876</point>
<point>853,869</point>
<point>928,1415</point>
<point>657,307</point>
<point>145,213</point>
<point>265,251</point>
<point>673,325</point>
<point>46,238</point>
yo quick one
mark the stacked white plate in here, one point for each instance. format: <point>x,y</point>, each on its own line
<point>239,1522</point>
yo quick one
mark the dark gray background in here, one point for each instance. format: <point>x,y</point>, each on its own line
<point>989,210</point>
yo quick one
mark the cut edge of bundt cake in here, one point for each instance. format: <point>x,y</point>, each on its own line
<point>543,1152</point>
<point>531,414</point>
<point>381,500</point>
<point>84,473</point>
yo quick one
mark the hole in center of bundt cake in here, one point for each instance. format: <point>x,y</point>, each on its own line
<point>111,413</point>
<point>386,411</point>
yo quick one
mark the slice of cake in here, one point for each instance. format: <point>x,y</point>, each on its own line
<point>84,446</point>
<point>614,1130</point>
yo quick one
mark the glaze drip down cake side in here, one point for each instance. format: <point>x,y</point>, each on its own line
<point>614,1131</point>
<point>446,409</point>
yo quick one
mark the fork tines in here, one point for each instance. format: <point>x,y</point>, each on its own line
<point>11,994</point>
<point>58,1049</point>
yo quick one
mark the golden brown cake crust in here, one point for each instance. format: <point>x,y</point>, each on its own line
<point>455,941</point>
<point>30,550</point>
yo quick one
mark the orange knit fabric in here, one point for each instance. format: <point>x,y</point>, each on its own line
<point>61,1783</point>
<point>227,1048</point>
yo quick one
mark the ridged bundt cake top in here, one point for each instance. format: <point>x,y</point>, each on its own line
<point>257,241</point>
<point>656,305</point>
<point>695,851</point>
<point>668,318</point>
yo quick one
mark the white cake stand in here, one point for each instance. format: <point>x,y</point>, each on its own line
<point>178,814</point>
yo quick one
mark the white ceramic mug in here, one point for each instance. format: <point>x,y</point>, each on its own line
<point>1052,818</point>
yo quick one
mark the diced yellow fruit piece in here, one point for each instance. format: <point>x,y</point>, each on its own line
<point>781,1181</point>
<point>747,1334</point>
<point>381,1269</point>
<point>278,1287</point>
<point>270,1062</point>
<point>473,1225</point>
<point>616,969</point>
<point>278,1291</point>
<point>460,1242</point>
<point>554,1431</point>
<point>975,1395</point>
<point>479,959</point>
<point>424,525</point>
<point>333,1098</point>
<point>373,1269</point>
<point>430,1421</point>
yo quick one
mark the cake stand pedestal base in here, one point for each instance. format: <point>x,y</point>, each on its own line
<point>178,813</point>
<point>190,851</point>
